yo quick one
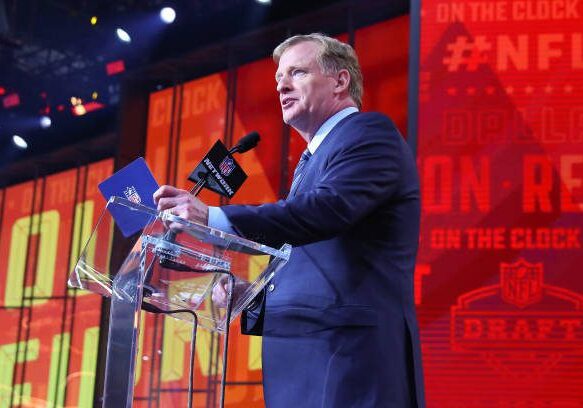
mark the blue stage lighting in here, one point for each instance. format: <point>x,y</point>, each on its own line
<point>19,142</point>
<point>123,35</point>
<point>45,122</point>
<point>167,15</point>
<point>263,1</point>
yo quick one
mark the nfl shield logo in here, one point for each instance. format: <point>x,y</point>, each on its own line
<point>227,166</point>
<point>132,195</point>
<point>521,282</point>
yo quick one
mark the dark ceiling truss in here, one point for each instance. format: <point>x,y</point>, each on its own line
<point>47,62</point>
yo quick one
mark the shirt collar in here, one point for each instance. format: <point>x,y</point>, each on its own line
<point>328,126</point>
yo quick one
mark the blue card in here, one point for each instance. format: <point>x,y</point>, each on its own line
<point>136,183</point>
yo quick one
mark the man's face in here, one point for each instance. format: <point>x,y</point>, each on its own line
<point>305,93</point>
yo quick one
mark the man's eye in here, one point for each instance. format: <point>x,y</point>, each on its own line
<point>298,72</point>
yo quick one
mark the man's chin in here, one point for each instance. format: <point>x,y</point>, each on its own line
<point>292,118</point>
<point>288,119</point>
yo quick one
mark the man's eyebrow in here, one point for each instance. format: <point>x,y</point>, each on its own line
<point>289,69</point>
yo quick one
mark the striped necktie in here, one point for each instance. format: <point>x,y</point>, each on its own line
<point>298,173</point>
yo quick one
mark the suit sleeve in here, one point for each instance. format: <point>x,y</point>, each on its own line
<point>359,176</point>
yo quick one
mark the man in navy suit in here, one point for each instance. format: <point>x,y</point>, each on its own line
<point>338,321</point>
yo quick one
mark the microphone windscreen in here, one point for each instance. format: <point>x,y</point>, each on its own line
<point>248,142</point>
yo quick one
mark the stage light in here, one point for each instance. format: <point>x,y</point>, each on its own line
<point>11,100</point>
<point>45,122</point>
<point>2,90</point>
<point>94,95</point>
<point>79,110</point>
<point>263,1</point>
<point>93,20</point>
<point>123,35</point>
<point>115,67</point>
<point>167,15</point>
<point>19,142</point>
<point>77,106</point>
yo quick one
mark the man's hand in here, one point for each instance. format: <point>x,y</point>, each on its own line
<point>220,294</point>
<point>182,204</point>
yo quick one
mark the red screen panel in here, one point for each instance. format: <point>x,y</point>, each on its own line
<point>501,163</point>
<point>383,52</point>
<point>257,108</point>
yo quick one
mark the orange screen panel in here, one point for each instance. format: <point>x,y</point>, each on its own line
<point>48,352</point>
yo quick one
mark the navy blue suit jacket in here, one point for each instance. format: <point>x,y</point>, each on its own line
<point>339,328</point>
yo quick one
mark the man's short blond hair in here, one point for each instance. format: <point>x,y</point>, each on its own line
<point>334,55</point>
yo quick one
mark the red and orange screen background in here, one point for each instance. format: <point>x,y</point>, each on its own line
<point>500,153</point>
<point>499,291</point>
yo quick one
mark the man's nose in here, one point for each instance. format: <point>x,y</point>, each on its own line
<point>283,84</point>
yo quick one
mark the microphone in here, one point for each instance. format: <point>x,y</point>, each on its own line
<point>246,143</point>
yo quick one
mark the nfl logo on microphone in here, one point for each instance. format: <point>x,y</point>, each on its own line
<point>227,166</point>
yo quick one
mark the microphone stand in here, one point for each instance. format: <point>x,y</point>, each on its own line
<point>148,290</point>
<point>195,191</point>
<point>166,262</point>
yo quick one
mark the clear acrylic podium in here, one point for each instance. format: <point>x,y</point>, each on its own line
<point>172,268</point>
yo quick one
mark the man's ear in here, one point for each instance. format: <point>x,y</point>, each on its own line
<point>342,80</point>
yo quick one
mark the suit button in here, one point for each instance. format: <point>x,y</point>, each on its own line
<point>271,287</point>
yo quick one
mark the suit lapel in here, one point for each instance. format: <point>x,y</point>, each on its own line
<point>308,176</point>
<point>336,130</point>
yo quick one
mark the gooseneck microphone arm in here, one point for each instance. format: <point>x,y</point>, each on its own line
<point>246,143</point>
<point>199,185</point>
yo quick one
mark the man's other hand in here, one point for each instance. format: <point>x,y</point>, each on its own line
<point>220,293</point>
<point>181,203</point>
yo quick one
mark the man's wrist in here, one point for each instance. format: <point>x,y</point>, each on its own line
<point>217,219</point>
